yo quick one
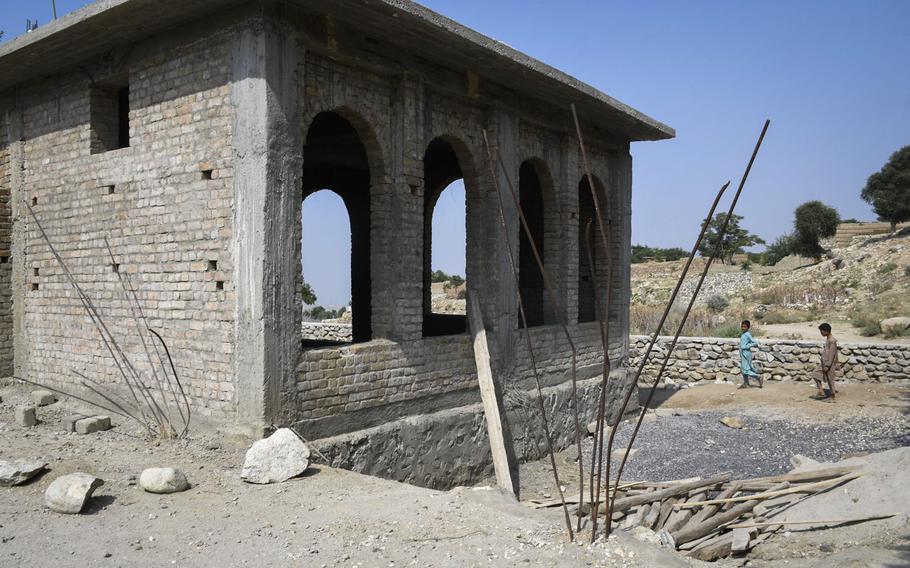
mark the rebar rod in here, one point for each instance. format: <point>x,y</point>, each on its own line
<point>521,310</point>
<point>558,309</point>
<point>604,319</point>
<point>701,280</point>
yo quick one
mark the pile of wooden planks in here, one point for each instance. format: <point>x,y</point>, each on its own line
<point>713,518</point>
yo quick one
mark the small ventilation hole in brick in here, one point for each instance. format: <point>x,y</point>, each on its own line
<point>213,265</point>
<point>115,267</point>
<point>35,286</point>
<point>36,271</point>
<point>219,284</point>
<point>207,174</point>
<point>4,259</point>
<point>34,201</point>
<point>110,189</point>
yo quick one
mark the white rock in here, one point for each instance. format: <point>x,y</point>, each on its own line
<point>163,480</point>
<point>279,457</point>
<point>17,472</point>
<point>68,493</point>
<point>645,534</point>
<point>42,397</point>
<point>895,325</point>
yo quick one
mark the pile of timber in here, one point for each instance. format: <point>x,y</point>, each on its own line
<point>709,519</point>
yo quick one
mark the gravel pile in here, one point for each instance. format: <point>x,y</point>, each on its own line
<point>697,444</point>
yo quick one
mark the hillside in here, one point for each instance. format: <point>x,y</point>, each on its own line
<point>854,288</point>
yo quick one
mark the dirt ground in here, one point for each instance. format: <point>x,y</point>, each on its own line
<point>332,517</point>
<point>327,517</point>
<point>842,330</point>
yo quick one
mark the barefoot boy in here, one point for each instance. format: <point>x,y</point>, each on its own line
<point>746,343</point>
<point>828,365</point>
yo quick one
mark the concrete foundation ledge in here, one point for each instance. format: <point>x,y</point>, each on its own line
<point>449,448</point>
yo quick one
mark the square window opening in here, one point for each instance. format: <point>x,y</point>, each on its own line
<point>110,117</point>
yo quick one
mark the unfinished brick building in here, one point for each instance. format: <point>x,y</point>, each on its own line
<point>189,132</point>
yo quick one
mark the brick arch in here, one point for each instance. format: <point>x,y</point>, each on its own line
<point>339,157</point>
<point>446,159</point>
<point>538,203</point>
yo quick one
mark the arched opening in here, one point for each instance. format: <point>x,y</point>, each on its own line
<point>334,159</point>
<point>326,275</point>
<point>586,212</point>
<point>444,213</point>
<point>530,279</point>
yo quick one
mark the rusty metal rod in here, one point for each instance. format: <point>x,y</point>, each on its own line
<point>679,329</point>
<point>558,309</point>
<point>604,318</point>
<point>521,311</point>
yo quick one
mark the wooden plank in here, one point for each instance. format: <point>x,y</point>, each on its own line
<point>693,531</point>
<point>818,486</point>
<point>488,395</point>
<point>662,494</point>
<point>811,475</point>
<point>817,522</point>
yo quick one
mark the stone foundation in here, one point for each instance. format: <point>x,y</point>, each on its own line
<point>451,447</point>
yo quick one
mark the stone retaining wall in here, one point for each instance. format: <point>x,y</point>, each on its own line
<point>320,331</point>
<point>708,359</point>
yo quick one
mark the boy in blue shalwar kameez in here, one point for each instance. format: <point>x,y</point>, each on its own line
<point>746,343</point>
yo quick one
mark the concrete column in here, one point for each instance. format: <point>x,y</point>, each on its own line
<point>20,226</point>
<point>406,171</point>
<point>506,290</point>
<point>267,171</point>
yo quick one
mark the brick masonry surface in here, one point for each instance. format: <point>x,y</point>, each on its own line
<point>169,203</point>
<point>708,359</point>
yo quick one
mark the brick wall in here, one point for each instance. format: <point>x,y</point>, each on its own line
<point>169,226</point>
<point>400,372</point>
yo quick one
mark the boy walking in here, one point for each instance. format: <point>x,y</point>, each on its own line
<point>746,343</point>
<point>825,374</point>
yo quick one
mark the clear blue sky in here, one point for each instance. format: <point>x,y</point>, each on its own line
<point>832,75</point>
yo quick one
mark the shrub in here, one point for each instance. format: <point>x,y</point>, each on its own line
<point>781,247</point>
<point>729,330</point>
<point>879,286</point>
<point>746,265</point>
<point>886,268</point>
<point>866,321</point>
<point>717,303</point>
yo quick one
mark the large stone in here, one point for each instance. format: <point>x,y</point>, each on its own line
<point>17,472</point>
<point>26,416</point>
<point>69,423</point>
<point>69,493</point>
<point>42,397</point>
<point>163,480</point>
<point>732,422</point>
<point>93,424</point>
<point>279,457</point>
<point>895,325</point>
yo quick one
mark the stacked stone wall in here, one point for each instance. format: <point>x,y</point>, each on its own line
<point>319,331</point>
<point>164,204</point>
<point>709,359</point>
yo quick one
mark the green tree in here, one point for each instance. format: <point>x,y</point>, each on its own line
<point>813,221</point>
<point>308,295</point>
<point>888,190</point>
<point>735,239</point>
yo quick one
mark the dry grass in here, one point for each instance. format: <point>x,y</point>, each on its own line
<point>702,322</point>
<point>789,294</point>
